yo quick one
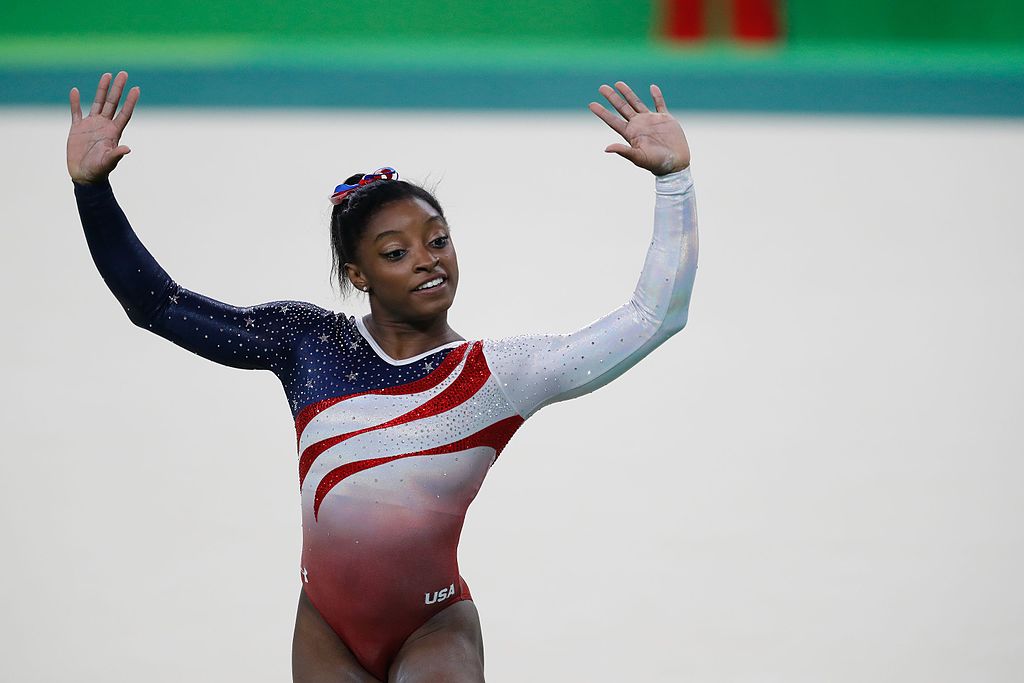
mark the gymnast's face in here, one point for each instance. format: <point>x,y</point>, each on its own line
<point>406,245</point>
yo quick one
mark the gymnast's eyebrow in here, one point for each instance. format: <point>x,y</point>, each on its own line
<point>385,233</point>
<point>432,219</point>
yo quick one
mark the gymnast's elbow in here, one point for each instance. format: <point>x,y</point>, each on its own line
<point>667,327</point>
<point>675,323</point>
<point>140,316</point>
<point>661,324</point>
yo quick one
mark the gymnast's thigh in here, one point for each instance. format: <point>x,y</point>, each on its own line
<point>318,654</point>
<point>449,648</point>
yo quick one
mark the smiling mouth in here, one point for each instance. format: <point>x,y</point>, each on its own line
<point>433,284</point>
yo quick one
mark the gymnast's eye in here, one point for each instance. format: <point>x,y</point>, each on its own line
<point>394,254</point>
<point>441,242</point>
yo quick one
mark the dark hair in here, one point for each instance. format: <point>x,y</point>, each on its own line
<point>350,218</point>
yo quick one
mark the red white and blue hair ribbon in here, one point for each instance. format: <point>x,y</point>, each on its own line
<point>385,173</point>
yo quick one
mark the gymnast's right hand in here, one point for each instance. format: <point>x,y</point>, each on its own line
<point>94,142</point>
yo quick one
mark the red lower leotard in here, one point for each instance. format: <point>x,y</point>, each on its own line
<point>392,452</point>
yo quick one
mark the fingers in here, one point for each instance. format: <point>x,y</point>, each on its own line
<point>659,100</point>
<point>125,115</point>
<point>616,101</point>
<point>76,106</point>
<point>101,95</point>
<point>634,101</point>
<point>114,95</point>
<point>613,121</point>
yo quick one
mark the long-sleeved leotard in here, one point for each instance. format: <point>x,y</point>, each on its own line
<point>392,452</point>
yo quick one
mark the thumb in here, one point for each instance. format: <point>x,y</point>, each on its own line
<point>114,156</point>
<point>624,151</point>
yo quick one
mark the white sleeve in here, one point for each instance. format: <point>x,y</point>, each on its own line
<point>536,370</point>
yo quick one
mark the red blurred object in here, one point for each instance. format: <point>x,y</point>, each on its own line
<point>684,19</point>
<point>755,19</point>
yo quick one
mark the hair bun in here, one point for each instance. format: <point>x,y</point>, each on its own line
<point>357,181</point>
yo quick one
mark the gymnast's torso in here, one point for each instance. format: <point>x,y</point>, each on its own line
<point>391,452</point>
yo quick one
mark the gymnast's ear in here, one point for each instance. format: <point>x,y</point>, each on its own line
<point>354,275</point>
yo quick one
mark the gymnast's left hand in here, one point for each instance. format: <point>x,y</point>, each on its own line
<point>656,140</point>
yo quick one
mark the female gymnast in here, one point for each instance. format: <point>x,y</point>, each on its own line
<point>398,418</point>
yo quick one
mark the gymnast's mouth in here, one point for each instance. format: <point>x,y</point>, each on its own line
<point>433,283</point>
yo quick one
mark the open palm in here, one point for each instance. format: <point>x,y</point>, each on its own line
<point>656,140</point>
<point>94,141</point>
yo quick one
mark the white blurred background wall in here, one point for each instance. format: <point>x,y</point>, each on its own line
<point>819,479</point>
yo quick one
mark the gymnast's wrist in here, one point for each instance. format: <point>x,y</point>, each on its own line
<point>99,189</point>
<point>674,183</point>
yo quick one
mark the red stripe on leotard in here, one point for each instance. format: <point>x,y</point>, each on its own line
<point>450,362</point>
<point>472,377</point>
<point>494,436</point>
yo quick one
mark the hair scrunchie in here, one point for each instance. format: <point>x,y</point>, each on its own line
<point>385,173</point>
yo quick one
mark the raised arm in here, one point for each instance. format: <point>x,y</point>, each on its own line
<point>245,337</point>
<point>536,370</point>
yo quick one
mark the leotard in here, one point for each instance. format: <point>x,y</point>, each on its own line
<point>392,452</point>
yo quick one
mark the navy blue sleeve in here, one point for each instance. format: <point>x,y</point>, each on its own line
<point>266,336</point>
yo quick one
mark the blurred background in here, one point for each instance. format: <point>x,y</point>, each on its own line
<point>910,56</point>
<point>819,479</point>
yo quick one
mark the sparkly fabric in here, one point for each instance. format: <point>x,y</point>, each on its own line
<point>539,369</point>
<point>392,452</point>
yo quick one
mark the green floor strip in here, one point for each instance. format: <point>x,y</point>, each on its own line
<point>883,79</point>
